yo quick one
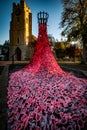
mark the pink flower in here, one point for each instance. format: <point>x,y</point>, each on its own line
<point>38,117</point>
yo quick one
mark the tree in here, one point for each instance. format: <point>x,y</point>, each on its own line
<point>60,49</point>
<point>73,51</point>
<point>74,22</point>
<point>5,49</point>
<point>51,39</point>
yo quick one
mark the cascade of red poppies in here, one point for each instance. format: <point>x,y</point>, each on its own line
<point>42,96</point>
<point>43,57</point>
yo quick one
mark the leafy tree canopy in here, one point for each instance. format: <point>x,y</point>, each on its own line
<point>74,22</point>
<point>74,18</point>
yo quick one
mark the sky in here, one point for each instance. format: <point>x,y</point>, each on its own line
<point>53,7</point>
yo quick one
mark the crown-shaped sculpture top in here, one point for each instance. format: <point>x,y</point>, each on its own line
<point>42,17</point>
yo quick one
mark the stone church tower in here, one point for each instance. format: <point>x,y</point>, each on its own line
<point>21,32</point>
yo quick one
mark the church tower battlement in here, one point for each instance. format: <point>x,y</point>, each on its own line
<point>21,31</point>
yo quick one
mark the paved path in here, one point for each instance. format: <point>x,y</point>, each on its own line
<point>10,62</point>
<point>77,69</point>
<point>3,98</point>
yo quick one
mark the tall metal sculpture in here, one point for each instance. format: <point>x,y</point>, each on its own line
<point>42,17</point>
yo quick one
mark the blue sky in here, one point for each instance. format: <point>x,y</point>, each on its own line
<point>53,7</point>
